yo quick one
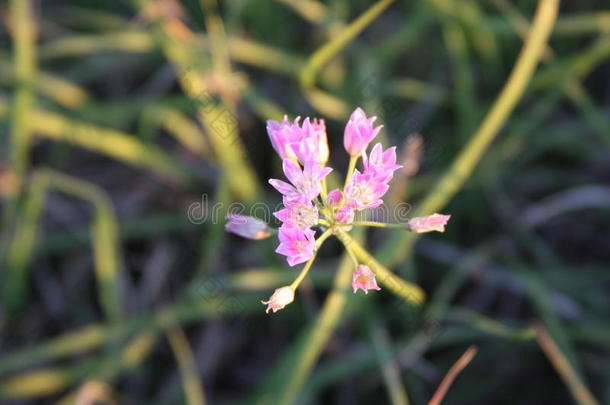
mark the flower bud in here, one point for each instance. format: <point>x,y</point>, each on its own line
<point>364,278</point>
<point>345,215</point>
<point>359,132</point>
<point>280,298</point>
<point>283,137</point>
<point>323,152</point>
<point>430,223</point>
<point>247,227</point>
<point>335,198</point>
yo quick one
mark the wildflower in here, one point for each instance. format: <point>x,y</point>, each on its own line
<point>305,183</point>
<point>430,223</point>
<point>303,147</point>
<point>313,145</point>
<point>365,191</point>
<point>282,138</point>
<point>364,278</point>
<point>304,143</point>
<point>359,132</point>
<point>335,198</point>
<point>345,215</point>
<point>381,164</point>
<point>297,244</point>
<point>281,297</point>
<point>299,212</point>
<point>247,227</point>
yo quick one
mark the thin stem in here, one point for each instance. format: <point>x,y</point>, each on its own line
<point>104,239</point>
<point>453,372</point>
<point>318,204</point>
<point>24,53</point>
<point>351,254</point>
<point>324,190</point>
<point>177,46</point>
<point>409,292</point>
<point>302,274</point>
<point>307,266</point>
<point>387,362</point>
<point>315,339</point>
<point>191,379</point>
<point>462,167</point>
<point>350,170</point>
<point>307,75</point>
<point>323,208</point>
<point>24,40</point>
<point>566,371</point>
<point>322,238</point>
<point>217,37</point>
<point>378,224</point>
<point>323,222</point>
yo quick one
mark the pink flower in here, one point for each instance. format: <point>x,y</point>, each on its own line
<point>359,132</point>
<point>335,198</point>
<point>313,144</point>
<point>247,227</point>
<point>281,297</point>
<point>303,147</point>
<point>430,223</point>
<point>302,143</point>
<point>345,215</point>
<point>365,191</point>
<point>305,183</point>
<point>297,244</point>
<point>381,164</point>
<point>283,137</point>
<point>298,212</point>
<point>364,279</point>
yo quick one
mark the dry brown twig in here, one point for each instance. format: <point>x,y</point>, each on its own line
<point>451,374</point>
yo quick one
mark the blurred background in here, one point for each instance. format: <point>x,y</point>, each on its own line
<point>128,129</point>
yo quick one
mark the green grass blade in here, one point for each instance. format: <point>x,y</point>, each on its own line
<point>399,246</point>
<point>188,367</point>
<point>323,55</point>
<point>104,238</point>
<point>116,144</point>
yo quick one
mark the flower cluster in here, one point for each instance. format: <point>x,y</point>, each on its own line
<point>306,204</point>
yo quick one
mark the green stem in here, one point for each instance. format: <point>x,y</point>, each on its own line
<point>104,239</point>
<point>352,256</point>
<point>463,166</point>
<point>187,365</point>
<point>24,38</point>
<point>217,37</point>
<point>323,209</point>
<point>324,222</point>
<point>24,45</point>
<point>324,190</point>
<point>387,362</point>
<point>410,292</point>
<point>307,75</point>
<point>323,238</point>
<point>379,224</point>
<point>315,339</point>
<point>302,274</point>
<point>350,169</point>
<point>218,117</point>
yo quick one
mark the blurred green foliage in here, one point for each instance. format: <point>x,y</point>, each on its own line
<point>138,109</point>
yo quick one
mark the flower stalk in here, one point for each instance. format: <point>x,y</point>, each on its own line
<point>374,224</point>
<point>409,292</point>
<point>307,204</point>
<point>350,169</point>
<point>308,265</point>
